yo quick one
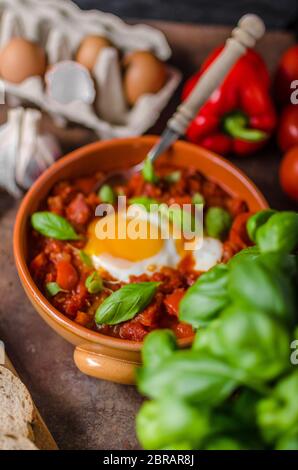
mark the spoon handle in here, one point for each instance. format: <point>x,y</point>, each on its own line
<point>250,28</point>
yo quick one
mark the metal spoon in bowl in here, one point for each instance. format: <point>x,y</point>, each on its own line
<point>250,28</point>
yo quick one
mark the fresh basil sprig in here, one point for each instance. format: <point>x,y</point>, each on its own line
<point>53,226</point>
<point>125,303</point>
<point>246,315</point>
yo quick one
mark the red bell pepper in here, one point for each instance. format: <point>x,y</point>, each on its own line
<point>239,117</point>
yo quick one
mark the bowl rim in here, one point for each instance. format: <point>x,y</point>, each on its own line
<point>22,216</point>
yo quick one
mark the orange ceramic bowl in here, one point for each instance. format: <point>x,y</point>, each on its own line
<point>96,354</point>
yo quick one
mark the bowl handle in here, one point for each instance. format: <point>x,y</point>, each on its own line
<point>93,360</point>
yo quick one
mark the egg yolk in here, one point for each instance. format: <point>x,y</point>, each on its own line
<point>103,237</point>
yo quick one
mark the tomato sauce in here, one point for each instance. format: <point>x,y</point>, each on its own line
<point>60,261</point>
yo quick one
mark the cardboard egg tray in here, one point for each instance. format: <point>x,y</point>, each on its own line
<point>59,27</point>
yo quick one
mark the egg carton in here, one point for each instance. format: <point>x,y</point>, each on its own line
<point>59,27</point>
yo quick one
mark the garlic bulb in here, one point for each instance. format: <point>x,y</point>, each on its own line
<point>25,152</point>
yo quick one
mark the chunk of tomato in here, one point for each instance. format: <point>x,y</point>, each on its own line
<point>172,302</point>
<point>67,276</point>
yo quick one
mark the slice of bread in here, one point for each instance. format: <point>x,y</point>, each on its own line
<point>15,442</point>
<point>16,410</point>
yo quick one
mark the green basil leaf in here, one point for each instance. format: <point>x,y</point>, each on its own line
<point>148,172</point>
<point>52,289</point>
<point>279,233</point>
<point>256,221</point>
<point>271,290</point>
<point>278,414</point>
<point>106,194</point>
<point>53,226</point>
<point>173,177</point>
<point>94,283</point>
<point>145,201</point>
<point>126,303</point>
<point>280,262</point>
<point>162,422</point>
<point>206,297</point>
<point>248,339</point>
<point>205,339</point>
<point>217,222</point>
<point>192,376</point>
<point>158,345</point>
<point>251,252</point>
<point>86,259</point>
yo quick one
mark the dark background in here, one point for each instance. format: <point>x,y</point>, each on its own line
<point>276,13</point>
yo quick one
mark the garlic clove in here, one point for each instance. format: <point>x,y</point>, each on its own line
<point>37,151</point>
<point>25,152</point>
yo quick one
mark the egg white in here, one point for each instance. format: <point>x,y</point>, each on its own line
<point>208,255</point>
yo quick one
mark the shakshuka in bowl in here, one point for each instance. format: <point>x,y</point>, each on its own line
<point>89,272</point>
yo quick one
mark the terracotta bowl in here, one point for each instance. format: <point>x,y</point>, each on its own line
<point>96,354</point>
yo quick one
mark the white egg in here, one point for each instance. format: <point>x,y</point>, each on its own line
<point>122,258</point>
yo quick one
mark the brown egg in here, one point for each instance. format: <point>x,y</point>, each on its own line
<point>89,49</point>
<point>144,73</point>
<point>21,59</point>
